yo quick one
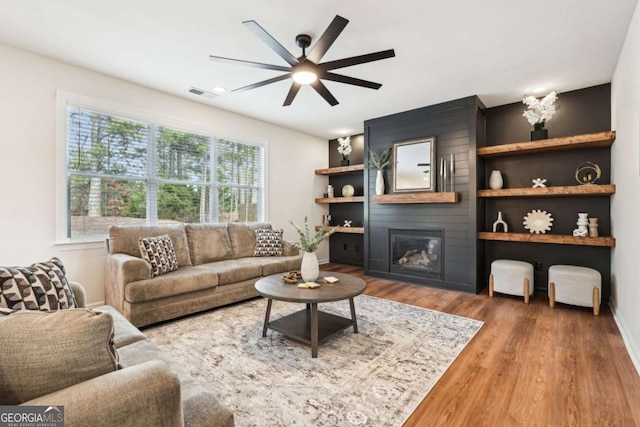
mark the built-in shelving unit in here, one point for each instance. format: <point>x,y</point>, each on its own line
<point>576,190</point>
<point>548,238</point>
<point>578,142</point>
<point>445,197</point>
<point>353,199</point>
<point>349,230</point>
<point>341,170</point>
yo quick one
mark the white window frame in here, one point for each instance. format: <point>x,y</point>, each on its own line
<point>65,99</point>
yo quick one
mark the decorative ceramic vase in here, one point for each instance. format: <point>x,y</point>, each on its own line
<point>593,227</point>
<point>309,268</point>
<point>583,222</point>
<point>344,162</point>
<point>495,180</point>
<point>348,191</point>
<point>379,183</point>
<point>539,134</point>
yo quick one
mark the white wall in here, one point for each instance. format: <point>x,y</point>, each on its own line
<point>625,161</point>
<point>28,85</point>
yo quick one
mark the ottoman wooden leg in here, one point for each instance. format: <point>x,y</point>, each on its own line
<point>526,291</point>
<point>552,294</point>
<point>596,301</point>
<point>491,285</point>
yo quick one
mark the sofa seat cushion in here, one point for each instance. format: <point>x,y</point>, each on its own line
<point>45,352</point>
<point>200,406</point>
<point>243,237</point>
<point>124,239</point>
<point>184,280</point>
<point>274,265</point>
<point>234,270</point>
<point>208,243</point>
<point>125,332</point>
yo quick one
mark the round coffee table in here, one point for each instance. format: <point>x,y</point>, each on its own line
<point>310,325</point>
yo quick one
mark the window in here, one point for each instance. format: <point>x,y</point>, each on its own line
<point>121,171</point>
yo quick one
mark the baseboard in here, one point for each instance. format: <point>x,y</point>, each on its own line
<point>323,261</point>
<point>634,353</point>
<point>95,304</point>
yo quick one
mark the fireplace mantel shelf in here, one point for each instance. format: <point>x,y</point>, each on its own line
<point>444,197</point>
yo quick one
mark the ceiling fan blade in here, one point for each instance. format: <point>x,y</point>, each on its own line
<point>249,63</point>
<point>263,83</point>
<point>327,38</point>
<point>355,60</point>
<point>271,42</point>
<point>324,92</point>
<point>350,80</point>
<point>295,87</point>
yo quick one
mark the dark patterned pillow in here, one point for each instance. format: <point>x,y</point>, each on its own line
<point>268,242</point>
<point>158,251</point>
<point>41,286</point>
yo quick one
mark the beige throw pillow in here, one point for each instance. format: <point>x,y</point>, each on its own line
<point>45,352</point>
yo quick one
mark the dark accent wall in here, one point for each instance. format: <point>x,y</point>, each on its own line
<point>458,127</point>
<point>345,248</point>
<point>579,112</point>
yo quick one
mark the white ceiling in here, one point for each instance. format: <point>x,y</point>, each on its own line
<point>445,49</point>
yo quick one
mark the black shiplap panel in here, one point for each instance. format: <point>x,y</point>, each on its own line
<point>454,126</point>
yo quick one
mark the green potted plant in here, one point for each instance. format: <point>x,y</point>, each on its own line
<point>379,161</point>
<point>308,243</point>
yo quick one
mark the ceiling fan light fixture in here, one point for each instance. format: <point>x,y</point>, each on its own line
<point>304,77</point>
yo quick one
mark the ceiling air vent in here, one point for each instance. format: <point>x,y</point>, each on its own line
<point>201,92</point>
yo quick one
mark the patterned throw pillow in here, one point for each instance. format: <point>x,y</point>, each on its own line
<point>268,242</point>
<point>158,251</point>
<point>41,286</point>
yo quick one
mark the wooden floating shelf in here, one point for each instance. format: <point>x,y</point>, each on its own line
<point>341,170</point>
<point>548,238</point>
<point>353,199</point>
<point>448,197</point>
<point>351,230</point>
<point>575,190</point>
<point>579,142</point>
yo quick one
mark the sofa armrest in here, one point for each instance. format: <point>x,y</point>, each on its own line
<point>79,294</point>
<point>120,270</point>
<point>288,249</point>
<point>145,394</point>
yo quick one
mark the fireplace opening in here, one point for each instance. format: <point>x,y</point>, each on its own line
<point>417,252</point>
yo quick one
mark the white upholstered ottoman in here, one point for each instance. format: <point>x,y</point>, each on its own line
<point>575,285</point>
<point>511,277</point>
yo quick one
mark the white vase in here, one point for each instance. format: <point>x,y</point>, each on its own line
<point>495,180</point>
<point>379,183</point>
<point>309,269</point>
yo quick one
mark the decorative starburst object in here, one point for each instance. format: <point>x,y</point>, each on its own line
<point>347,223</point>
<point>539,183</point>
<point>538,221</point>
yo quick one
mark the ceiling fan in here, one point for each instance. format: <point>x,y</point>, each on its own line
<point>307,69</point>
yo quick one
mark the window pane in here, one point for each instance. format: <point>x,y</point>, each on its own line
<point>181,155</point>
<point>97,203</point>
<point>238,205</point>
<point>239,164</point>
<point>98,143</point>
<point>183,203</point>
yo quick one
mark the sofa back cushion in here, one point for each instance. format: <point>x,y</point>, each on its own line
<point>41,286</point>
<point>208,243</point>
<point>243,237</point>
<point>124,239</point>
<point>45,352</point>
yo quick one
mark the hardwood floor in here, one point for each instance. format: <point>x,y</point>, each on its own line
<point>529,365</point>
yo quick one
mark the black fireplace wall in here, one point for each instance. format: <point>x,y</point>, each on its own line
<point>459,127</point>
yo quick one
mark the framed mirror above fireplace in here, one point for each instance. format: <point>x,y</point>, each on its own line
<point>414,167</point>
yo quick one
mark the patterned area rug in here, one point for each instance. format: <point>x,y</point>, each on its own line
<point>374,378</point>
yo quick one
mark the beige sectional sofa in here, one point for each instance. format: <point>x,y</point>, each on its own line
<point>137,384</point>
<point>216,262</point>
